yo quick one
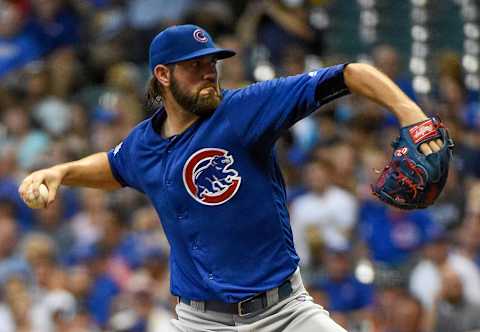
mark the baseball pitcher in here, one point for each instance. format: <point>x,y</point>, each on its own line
<point>206,160</point>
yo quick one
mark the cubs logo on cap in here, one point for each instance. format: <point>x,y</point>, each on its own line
<point>200,36</point>
<point>209,178</point>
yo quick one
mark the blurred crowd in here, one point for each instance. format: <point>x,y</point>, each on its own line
<point>72,82</point>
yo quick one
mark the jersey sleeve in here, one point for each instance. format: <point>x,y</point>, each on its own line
<point>122,161</point>
<point>262,111</point>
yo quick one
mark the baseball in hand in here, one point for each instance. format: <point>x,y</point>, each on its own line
<point>41,200</point>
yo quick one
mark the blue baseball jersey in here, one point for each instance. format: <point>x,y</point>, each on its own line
<point>217,187</point>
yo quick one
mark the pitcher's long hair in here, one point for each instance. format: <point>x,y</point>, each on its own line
<point>155,91</point>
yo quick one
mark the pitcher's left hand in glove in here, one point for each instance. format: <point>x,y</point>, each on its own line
<point>413,180</point>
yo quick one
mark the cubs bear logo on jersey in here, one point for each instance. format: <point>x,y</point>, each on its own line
<point>208,177</point>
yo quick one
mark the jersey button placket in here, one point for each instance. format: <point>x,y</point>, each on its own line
<point>182,215</point>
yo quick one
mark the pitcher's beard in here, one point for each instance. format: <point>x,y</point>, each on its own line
<point>198,104</point>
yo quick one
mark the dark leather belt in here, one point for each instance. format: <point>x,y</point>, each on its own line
<point>245,307</point>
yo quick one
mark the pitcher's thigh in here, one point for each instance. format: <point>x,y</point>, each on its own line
<point>191,320</point>
<point>310,317</point>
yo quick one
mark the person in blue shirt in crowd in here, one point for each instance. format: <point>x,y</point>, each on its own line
<point>18,44</point>
<point>346,297</point>
<point>206,161</point>
<point>55,23</point>
<point>344,291</point>
<point>392,235</point>
<point>103,288</point>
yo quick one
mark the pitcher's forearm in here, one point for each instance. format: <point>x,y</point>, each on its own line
<point>369,82</point>
<point>93,171</point>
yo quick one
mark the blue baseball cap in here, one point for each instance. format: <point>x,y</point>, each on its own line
<point>181,43</point>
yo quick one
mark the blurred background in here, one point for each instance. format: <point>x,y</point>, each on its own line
<point>72,82</point>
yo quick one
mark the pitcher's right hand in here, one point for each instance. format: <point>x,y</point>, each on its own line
<point>50,177</point>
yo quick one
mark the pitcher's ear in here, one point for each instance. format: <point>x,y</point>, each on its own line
<point>163,74</point>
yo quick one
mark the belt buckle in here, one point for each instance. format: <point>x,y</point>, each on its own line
<point>239,305</point>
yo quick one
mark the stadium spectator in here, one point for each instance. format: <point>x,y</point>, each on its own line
<point>30,143</point>
<point>16,314</point>
<point>18,44</point>
<point>87,225</point>
<point>469,238</point>
<point>346,298</point>
<point>451,311</point>
<point>333,222</point>
<point>232,70</point>
<point>11,262</point>
<point>103,288</point>
<point>425,278</point>
<point>391,235</point>
<point>56,23</point>
<point>409,316</point>
<point>278,26</point>
<point>387,59</point>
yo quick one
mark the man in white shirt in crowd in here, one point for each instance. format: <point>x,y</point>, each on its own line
<point>325,208</point>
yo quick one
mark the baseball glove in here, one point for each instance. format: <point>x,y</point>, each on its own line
<point>413,180</point>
